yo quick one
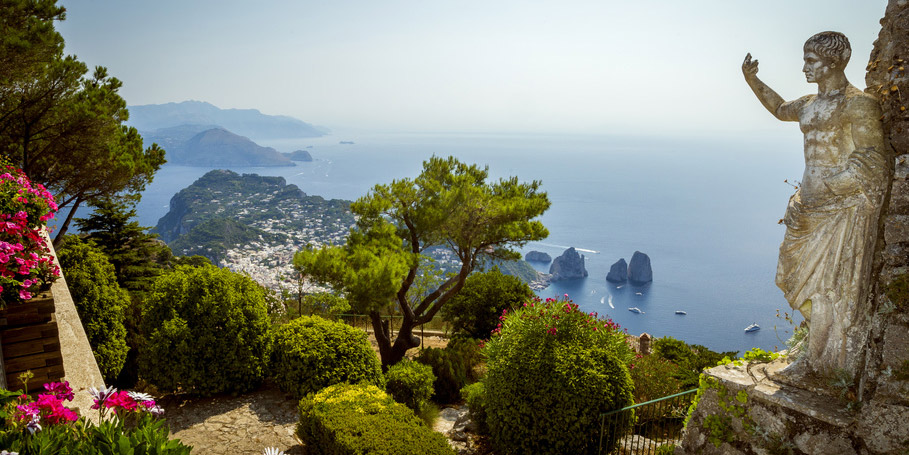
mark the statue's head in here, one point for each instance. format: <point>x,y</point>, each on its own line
<point>826,52</point>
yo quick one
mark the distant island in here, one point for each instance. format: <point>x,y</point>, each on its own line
<point>203,145</point>
<point>245,122</point>
<point>346,142</point>
<point>298,155</point>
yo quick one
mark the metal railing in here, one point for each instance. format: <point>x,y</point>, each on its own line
<point>646,427</point>
<point>361,321</point>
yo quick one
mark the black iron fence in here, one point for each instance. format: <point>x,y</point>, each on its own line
<point>650,428</point>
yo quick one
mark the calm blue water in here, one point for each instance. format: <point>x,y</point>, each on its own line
<point>705,212</point>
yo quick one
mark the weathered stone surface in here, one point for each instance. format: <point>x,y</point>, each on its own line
<point>776,415</point>
<point>618,272</point>
<point>639,270</point>
<point>537,256</point>
<point>568,266</point>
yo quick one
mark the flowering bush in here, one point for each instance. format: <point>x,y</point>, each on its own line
<point>348,419</point>
<point>46,425</point>
<point>26,265</point>
<point>551,370</point>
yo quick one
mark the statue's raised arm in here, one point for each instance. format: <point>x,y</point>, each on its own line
<point>769,98</point>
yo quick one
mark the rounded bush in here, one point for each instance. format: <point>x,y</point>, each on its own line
<point>311,353</point>
<point>474,310</point>
<point>206,332</point>
<point>100,302</point>
<point>410,383</point>
<point>346,419</point>
<point>551,371</point>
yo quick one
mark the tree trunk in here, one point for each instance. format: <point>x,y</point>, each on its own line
<point>388,352</point>
<point>63,228</point>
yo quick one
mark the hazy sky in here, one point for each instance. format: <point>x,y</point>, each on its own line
<point>599,66</point>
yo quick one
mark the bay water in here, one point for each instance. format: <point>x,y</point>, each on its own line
<point>706,211</point>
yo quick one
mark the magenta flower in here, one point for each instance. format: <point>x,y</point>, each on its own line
<point>60,390</point>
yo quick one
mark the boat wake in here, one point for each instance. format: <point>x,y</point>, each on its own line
<point>582,250</point>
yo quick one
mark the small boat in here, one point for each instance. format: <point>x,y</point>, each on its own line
<point>635,309</point>
<point>753,328</point>
<point>638,293</point>
<point>617,287</point>
<point>680,312</point>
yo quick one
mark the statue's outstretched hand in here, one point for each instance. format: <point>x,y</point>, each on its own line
<point>749,67</point>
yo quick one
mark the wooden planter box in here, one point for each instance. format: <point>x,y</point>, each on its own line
<point>30,341</point>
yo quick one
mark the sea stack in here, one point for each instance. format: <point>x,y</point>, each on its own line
<point>639,271</point>
<point>618,273</point>
<point>568,266</point>
<point>538,256</point>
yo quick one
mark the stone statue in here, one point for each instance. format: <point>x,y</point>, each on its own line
<point>832,219</point>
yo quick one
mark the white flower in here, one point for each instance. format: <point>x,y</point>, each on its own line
<point>33,425</point>
<point>156,411</point>
<point>139,397</point>
<point>273,451</point>
<point>101,395</point>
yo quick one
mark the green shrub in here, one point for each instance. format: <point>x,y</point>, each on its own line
<point>206,331</point>
<point>311,353</point>
<point>692,359</point>
<point>100,302</point>
<point>453,367</point>
<point>357,419</point>
<point>551,371</point>
<point>475,309</point>
<point>475,396</point>
<point>654,377</point>
<point>410,383</point>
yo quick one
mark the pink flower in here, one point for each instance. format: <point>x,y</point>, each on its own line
<point>25,295</point>
<point>60,390</point>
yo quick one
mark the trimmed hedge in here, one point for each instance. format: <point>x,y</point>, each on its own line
<point>206,331</point>
<point>551,371</point>
<point>311,353</point>
<point>348,419</point>
<point>410,383</point>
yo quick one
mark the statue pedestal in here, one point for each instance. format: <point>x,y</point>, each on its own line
<point>755,409</point>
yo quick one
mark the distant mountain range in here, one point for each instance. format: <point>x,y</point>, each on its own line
<point>245,122</point>
<point>195,133</point>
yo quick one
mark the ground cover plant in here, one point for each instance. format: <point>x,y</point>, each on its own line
<point>206,332</point>
<point>551,371</point>
<point>311,353</point>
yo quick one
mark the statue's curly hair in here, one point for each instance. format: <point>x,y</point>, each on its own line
<point>831,46</point>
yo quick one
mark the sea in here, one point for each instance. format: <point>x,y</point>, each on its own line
<point>705,210</point>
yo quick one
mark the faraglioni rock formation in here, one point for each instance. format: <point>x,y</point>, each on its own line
<point>639,270</point>
<point>568,266</point>
<point>537,256</point>
<point>618,273</point>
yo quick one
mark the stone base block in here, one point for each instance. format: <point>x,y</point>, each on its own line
<point>755,408</point>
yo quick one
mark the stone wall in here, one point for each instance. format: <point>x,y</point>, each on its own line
<point>888,344</point>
